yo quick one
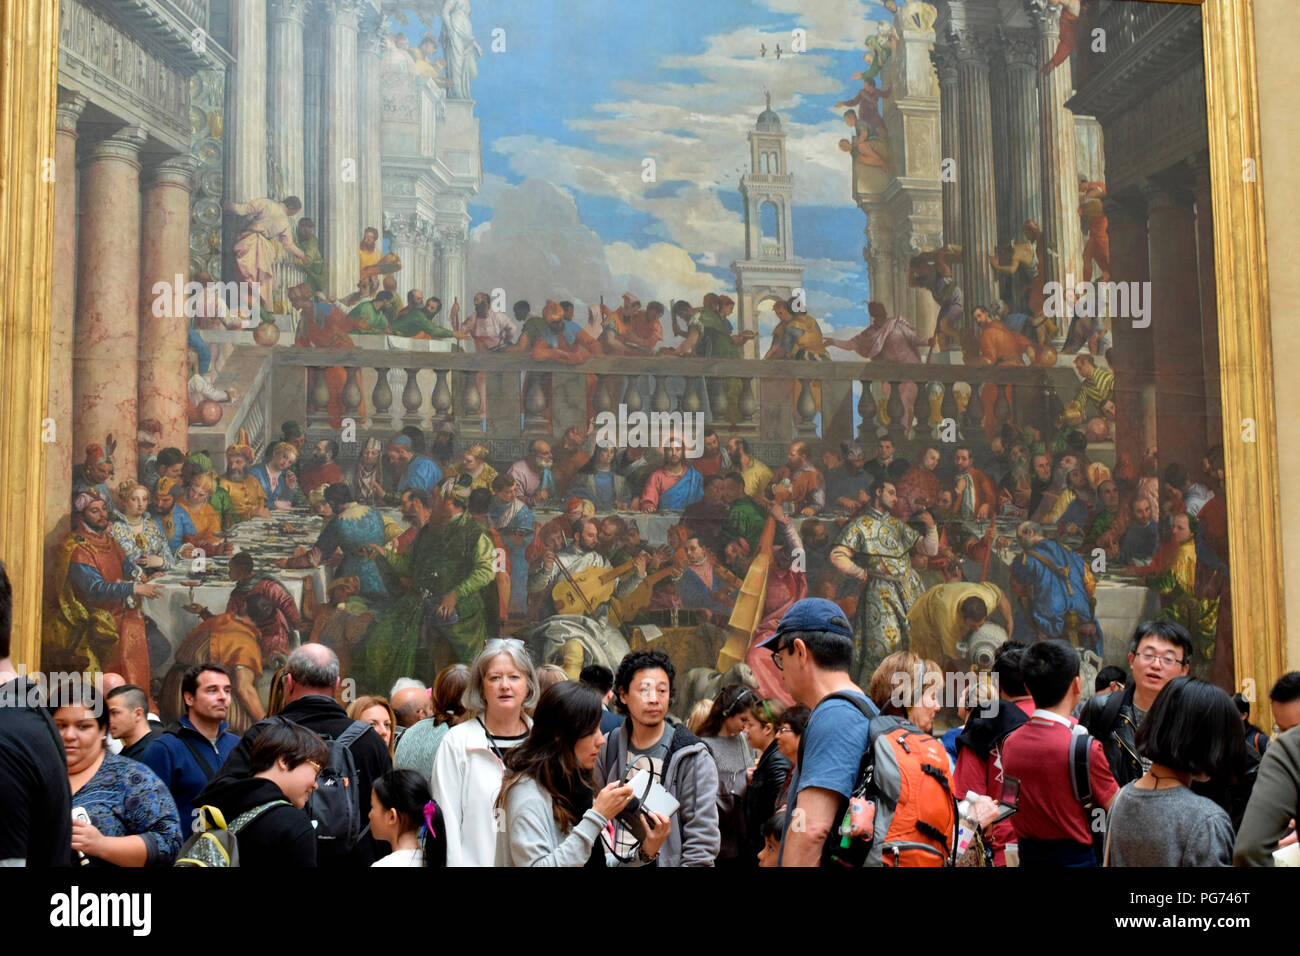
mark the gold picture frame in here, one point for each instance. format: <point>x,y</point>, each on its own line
<point>29,32</point>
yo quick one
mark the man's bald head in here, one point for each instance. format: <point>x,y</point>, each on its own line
<point>112,681</point>
<point>411,704</point>
<point>313,669</point>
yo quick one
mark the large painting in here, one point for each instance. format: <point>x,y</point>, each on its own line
<point>397,326</point>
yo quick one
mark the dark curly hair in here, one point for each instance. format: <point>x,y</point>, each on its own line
<point>642,661</point>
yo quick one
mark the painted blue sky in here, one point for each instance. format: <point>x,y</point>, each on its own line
<point>588,89</point>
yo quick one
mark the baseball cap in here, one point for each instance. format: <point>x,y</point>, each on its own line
<point>811,614</point>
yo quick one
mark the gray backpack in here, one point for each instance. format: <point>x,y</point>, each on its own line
<point>217,845</point>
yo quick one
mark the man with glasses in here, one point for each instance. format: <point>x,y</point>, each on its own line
<point>813,649</point>
<point>310,686</point>
<point>1161,651</point>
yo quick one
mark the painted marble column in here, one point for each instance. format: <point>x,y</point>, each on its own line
<point>976,172</point>
<point>164,256</point>
<point>452,268</point>
<point>371,48</point>
<point>59,453</point>
<point>1061,230</point>
<point>1024,175</point>
<point>945,62</point>
<point>312,135</point>
<point>1133,360</point>
<point>1000,112</point>
<point>245,117</point>
<point>285,113</point>
<point>401,238</point>
<point>1209,290</point>
<point>106,345</point>
<point>880,258</point>
<point>341,214</point>
<point>1176,327</point>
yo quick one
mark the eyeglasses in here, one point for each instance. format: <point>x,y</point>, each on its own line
<point>784,729</point>
<point>776,656</point>
<point>1169,660</point>
<point>315,766</point>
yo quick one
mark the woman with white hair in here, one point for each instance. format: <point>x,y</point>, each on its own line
<point>470,763</point>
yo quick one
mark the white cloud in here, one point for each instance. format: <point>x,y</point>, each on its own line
<point>536,247</point>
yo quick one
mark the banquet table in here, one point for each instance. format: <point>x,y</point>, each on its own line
<point>205,581</point>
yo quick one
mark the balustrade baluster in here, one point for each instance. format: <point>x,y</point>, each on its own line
<point>806,406</point>
<point>632,395</point>
<point>948,407</point>
<point>748,403</point>
<point>352,394</point>
<point>867,431</point>
<point>660,400</point>
<point>536,421</point>
<point>1053,408</point>
<point>718,404</point>
<point>691,401</point>
<point>897,412</point>
<point>442,395</point>
<point>318,397</point>
<point>412,397</point>
<point>382,395</point>
<point>973,421</point>
<point>602,400</point>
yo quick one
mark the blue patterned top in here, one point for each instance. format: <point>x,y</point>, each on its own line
<point>126,798</point>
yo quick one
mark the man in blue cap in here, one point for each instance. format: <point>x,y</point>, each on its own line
<point>813,648</point>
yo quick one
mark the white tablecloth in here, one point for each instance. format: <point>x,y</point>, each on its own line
<point>266,535</point>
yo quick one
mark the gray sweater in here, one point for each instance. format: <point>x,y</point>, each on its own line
<point>1170,827</point>
<point>532,836</point>
<point>1274,801</point>
<point>692,777</point>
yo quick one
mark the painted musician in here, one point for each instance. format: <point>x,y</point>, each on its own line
<point>580,555</point>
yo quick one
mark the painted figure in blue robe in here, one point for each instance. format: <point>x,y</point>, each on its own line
<point>416,470</point>
<point>1057,589</point>
<point>353,529</point>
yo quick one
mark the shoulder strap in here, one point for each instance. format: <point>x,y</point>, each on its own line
<point>353,733</point>
<point>248,816</point>
<point>1080,782</point>
<point>193,748</point>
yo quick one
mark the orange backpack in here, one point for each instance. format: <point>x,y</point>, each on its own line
<point>903,811</point>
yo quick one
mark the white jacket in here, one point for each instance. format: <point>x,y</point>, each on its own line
<point>465,782</point>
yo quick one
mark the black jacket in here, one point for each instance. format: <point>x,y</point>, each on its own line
<point>137,749</point>
<point>35,799</point>
<point>1110,718</point>
<point>279,837</point>
<point>989,726</point>
<point>765,788</point>
<point>325,716</point>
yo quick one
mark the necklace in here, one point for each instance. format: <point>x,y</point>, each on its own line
<point>492,740</point>
<point>1157,778</point>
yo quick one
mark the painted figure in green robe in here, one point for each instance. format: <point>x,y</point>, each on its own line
<point>314,267</point>
<point>438,620</point>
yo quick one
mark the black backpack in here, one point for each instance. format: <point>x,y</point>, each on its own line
<point>334,807</point>
<point>1081,783</point>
